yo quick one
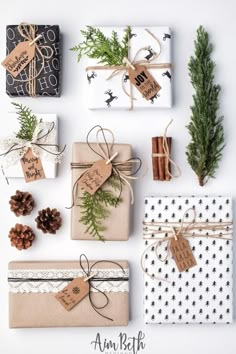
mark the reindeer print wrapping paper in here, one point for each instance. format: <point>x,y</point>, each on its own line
<point>110,93</point>
<point>48,81</point>
<point>204,293</point>
<point>15,171</point>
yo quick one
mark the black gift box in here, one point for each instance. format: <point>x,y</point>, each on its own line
<point>48,81</point>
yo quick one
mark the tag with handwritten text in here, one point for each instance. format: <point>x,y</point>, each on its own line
<point>32,167</point>
<point>95,176</point>
<point>19,58</point>
<point>182,254</point>
<point>144,82</point>
<point>73,293</point>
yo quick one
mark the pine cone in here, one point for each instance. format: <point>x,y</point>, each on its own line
<point>22,203</point>
<point>21,236</point>
<point>48,220</point>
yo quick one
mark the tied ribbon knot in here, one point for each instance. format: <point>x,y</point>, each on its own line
<point>120,169</point>
<point>28,32</point>
<point>124,69</point>
<point>173,230</point>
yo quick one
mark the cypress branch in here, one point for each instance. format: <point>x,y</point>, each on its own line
<point>28,122</point>
<point>205,128</point>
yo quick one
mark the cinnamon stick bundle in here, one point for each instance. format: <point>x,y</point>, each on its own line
<point>160,163</point>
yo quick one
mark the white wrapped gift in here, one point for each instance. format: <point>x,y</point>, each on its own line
<point>203,293</point>
<point>10,163</point>
<point>105,92</point>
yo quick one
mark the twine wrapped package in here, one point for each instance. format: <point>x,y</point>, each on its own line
<point>109,87</point>
<point>204,292</point>
<point>41,77</point>
<point>44,145</point>
<point>34,286</point>
<point>117,224</point>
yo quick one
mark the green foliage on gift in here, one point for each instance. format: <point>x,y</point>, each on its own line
<point>206,130</point>
<point>28,122</point>
<point>108,50</point>
<point>95,207</point>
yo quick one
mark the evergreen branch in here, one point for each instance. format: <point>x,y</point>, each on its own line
<point>95,208</point>
<point>108,50</point>
<point>28,122</point>
<point>204,151</point>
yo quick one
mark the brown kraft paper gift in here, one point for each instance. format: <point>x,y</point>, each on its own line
<point>118,222</point>
<point>41,309</point>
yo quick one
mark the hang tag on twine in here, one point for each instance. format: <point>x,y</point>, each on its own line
<point>95,176</point>
<point>182,253</point>
<point>32,167</point>
<point>144,81</point>
<point>19,58</point>
<point>73,293</point>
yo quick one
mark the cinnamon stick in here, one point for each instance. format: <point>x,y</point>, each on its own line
<point>161,160</point>
<point>155,171</point>
<point>167,175</point>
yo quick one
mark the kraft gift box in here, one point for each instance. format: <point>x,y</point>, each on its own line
<point>203,293</point>
<point>48,81</point>
<point>34,285</point>
<point>117,224</point>
<point>104,93</point>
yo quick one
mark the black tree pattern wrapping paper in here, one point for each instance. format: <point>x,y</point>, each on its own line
<point>204,293</point>
<point>48,81</point>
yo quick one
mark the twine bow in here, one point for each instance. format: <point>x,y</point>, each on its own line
<point>119,168</point>
<point>123,69</point>
<point>166,154</point>
<point>28,32</point>
<point>42,145</point>
<point>173,230</point>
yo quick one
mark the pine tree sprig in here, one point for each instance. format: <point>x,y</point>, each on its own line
<point>108,50</point>
<point>204,151</point>
<point>94,208</point>
<point>28,122</point>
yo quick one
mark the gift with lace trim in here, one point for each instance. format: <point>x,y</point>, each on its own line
<point>37,74</point>
<point>29,145</point>
<point>188,260</point>
<point>101,208</point>
<point>34,288</point>
<point>127,67</point>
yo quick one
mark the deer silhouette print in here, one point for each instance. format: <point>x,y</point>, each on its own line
<point>126,78</point>
<point>150,54</point>
<point>153,97</point>
<point>90,77</point>
<point>167,74</point>
<point>132,35</point>
<point>111,97</point>
<point>166,36</point>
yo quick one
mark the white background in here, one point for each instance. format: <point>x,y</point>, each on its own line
<point>137,128</point>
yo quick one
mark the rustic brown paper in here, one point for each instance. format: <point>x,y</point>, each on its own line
<point>19,58</point>
<point>182,254</point>
<point>95,176</point>
<point>43,310</point>
<point>73,293</point>
<point>118,223</point>
<point>144,81</point>
<point>32,167</point>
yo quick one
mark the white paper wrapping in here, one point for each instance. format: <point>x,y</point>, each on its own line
<point>11,128</point>
<point>98,84</point>
<point>204,293</point>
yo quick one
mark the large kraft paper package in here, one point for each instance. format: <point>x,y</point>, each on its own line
<point>117,224</point>
<point>32,301</point>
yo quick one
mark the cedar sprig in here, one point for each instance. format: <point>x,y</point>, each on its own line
<point>205,128</point>
<point>28,122</point>
<point>94,208</point>
<point>108,50</point>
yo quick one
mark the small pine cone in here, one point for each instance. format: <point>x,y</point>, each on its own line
<point>22,203</point>
<point>48,220</point>
<point>21,236</point>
